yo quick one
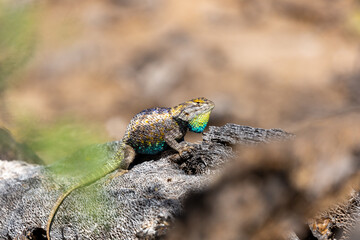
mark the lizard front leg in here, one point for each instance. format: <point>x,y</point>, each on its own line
<point>182,148</point>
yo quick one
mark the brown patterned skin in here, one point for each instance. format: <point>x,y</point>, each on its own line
<point>150,132</point>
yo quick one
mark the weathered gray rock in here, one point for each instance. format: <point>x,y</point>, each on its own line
<point>234,134</point>
<point>138,204</point>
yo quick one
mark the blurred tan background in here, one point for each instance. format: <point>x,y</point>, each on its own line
<point>264,63</point>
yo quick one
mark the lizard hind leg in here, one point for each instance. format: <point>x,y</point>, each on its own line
<point>128,158</point>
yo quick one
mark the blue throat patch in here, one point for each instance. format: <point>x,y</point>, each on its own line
<point>198,123</point>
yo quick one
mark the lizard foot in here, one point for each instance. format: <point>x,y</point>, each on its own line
<point>186,151</point>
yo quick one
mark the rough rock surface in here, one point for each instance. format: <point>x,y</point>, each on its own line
<point>139,204</point>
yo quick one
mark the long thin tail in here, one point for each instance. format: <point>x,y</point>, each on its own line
<point>123,157</point>
<point>83,182</point>
<point>56,207</point>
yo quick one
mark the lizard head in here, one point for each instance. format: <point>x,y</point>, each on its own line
<point>195,112</point>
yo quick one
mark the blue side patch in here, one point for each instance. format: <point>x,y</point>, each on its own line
<point>152,148</point>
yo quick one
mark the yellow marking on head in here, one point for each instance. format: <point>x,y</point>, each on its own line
<point>199,100</point>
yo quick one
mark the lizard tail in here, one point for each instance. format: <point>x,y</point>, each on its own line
<point>56,207</point>
<point>124,156</point>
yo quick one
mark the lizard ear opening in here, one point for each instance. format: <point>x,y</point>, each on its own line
<point>183,116</point>
<point>178,112</point>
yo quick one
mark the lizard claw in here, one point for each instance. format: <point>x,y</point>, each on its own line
<point>186,152</point>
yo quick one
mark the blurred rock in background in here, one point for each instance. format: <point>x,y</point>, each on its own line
<point>12,150</point>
